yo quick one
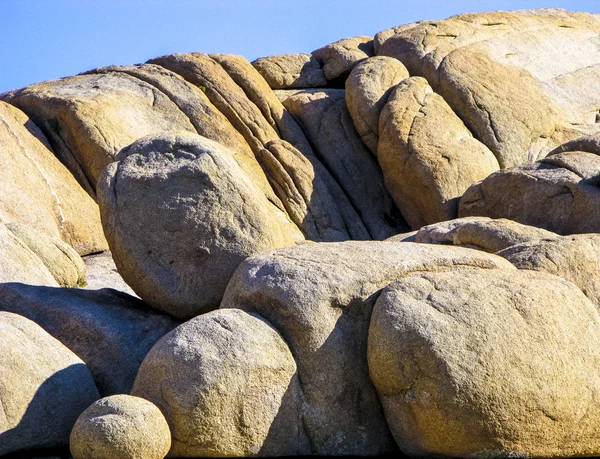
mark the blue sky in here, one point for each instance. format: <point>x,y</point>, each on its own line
<point>48,39</point>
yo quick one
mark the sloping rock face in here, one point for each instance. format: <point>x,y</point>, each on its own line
<point>38,191</point>
<point>110,331</point>
<point>319,297</point>
<point>487,364</point>
<point>180,215</point>
<point>43,387</point>
<point>523,82</point>
<point>227,385</point>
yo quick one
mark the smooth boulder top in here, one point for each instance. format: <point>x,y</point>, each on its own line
<point>180,215</point>
<point>482,363</point>
<point>287,71</point>
<point>120,427</point>
<point>319,297</point>
<point>110,331</point>
<point>339,58</point>
<point>227,384</point>
<point>43,387</point>
<point>482,233</point>
<point>38,191</point>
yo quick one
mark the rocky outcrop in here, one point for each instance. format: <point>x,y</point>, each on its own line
<point>110,331</point>
<point>339,58</point>
<point>43,387</point>
<point>38,191</point>
<point>523,81</point>
<point>287,71</point>
<point>481,233</point>
<point>180,215</point>
<point>428,157</point>
<point>121,427</point>
<point>487,364</point>
<point>560,193</point>
<point>319,297</point>
<point>227,385</point>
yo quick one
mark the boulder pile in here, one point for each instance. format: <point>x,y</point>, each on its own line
<point>390,245</point>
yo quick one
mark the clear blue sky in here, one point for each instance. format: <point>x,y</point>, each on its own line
<point>48,39</point>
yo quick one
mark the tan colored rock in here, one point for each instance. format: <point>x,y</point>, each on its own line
<point>367,90</point>
<point>63,262</point>
<point>324,117</point>
<point>481,233</point>
<point>319,297</point>
<point>559,193</point>
<point>88,119</point>
<point>43,387</point>
<point>487,364</point>
<point>339,58</point>
<point>121,427</point>
<point>428,157</point>
<point>19,263</point>
<point>102,273</point>
<point>227,384</point>
<point>574,258</point>
<point>38,191</point>
<point>110,331</point>
<point>180,215</point>
<point>523,81</point>
<point>311,197</point>
<point>403,237</point>
<point>283,71</point>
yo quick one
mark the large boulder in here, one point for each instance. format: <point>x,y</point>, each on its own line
<point>428,156</point>
<point>180,215</point>
<point>63,262</point>
<point>319,297</point>
<point>339,58</point>
<point>88,119</point>
<point>522,81</point>
<point>110,331</point>
<point>19,263</point>
<point>487,364</point>
<point>574,258</point>
<point>310,195</point>
<point>367,90</point>
<point>43,387</point>
<point>227,384</point>
<point>286,71</point>
<point>560,193</point>
<point>121,427</point>
<point>323,115</point>
<point>482,233</point>
<point>37,191</point>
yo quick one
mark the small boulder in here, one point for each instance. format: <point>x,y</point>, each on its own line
<point>121,427</point>
<point>227,384</point>
<point>286,71</point>
<point>340,57</point>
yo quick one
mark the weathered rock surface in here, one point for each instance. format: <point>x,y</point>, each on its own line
<point>38,191</point>
<point>110,331</point>
<point>43,387</point>
<point>102,273</point>
<point>19,263</point>
<point>311,197</point>
<point>560,193</point>
<point>180,215</point>
<point>481,233</point>
<point>121,427</point>
<point>367,90</point>
<point>428,157</point>
<point>574,258</point>
<point>319,297</point>
<point>325,119</point>
<point>63,262</point>
<point>227,384</point>
<point>522,81</point>
<point>286,71</point>
<point>487,364</point>
<point>88,119</point>
<point>339,58</point>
